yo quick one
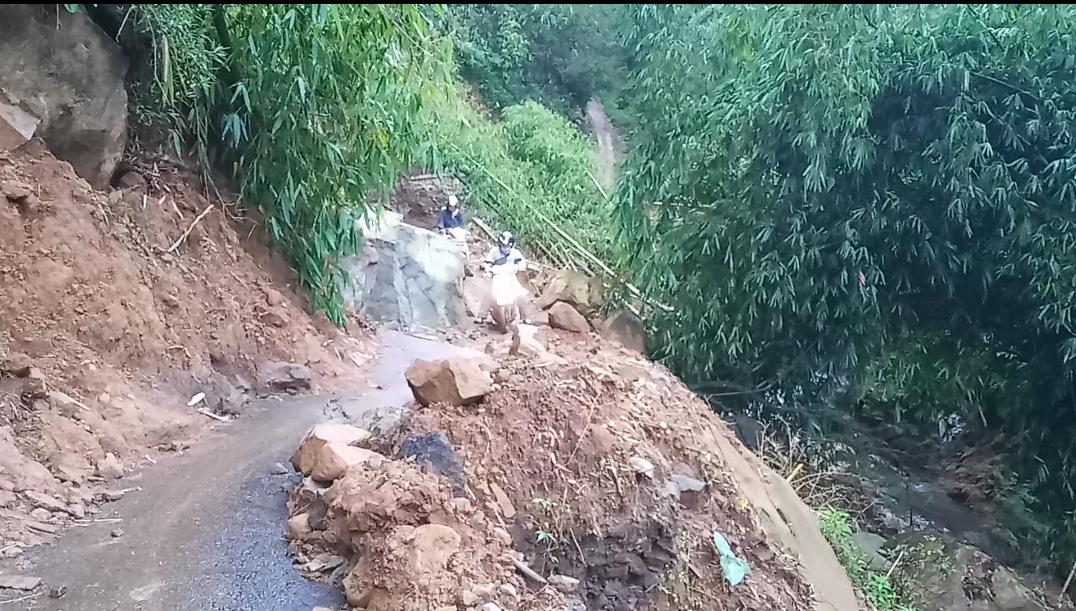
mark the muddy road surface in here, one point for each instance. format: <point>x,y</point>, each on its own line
<point>205,532</point>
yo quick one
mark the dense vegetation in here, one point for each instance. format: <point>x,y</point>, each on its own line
<point>560,55</point>
<point>872,198</point>
<point>317,110</point>
<point>866,207</point>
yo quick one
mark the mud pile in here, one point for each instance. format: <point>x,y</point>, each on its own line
<point>107,331</point>
<point>608,480</point>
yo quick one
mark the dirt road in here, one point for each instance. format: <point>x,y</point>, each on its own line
<point>206,530</point>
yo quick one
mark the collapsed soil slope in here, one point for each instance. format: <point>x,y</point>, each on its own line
<point>106,331</point>
<point>609,478</point>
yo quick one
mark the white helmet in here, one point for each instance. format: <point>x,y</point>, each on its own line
<point>507,240</point>
<point>453,202</point>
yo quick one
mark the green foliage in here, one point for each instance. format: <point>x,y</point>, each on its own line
<point>313,106</point>
<point>879,589</point>
<point>560,55</point>
<point>875,196</point>
<point>526,172</point>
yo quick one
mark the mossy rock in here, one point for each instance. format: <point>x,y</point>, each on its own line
<point>942,574</point>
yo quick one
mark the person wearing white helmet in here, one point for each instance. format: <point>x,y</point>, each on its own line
<point>451,217</point>
<point>503,258</point>
<point>505,254</point>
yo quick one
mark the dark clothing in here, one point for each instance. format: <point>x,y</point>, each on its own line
<point>448,220</point>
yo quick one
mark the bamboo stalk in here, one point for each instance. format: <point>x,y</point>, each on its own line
<point>567,238</point>
<point>1068,582</point>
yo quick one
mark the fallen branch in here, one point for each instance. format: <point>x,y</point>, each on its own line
<point>586,254</point>
<point>896,563</point>
<point>190,228</point>
<point>205,412</point>
<point>1068,582</point>
<point>20,599</point>
<point>529,572</point>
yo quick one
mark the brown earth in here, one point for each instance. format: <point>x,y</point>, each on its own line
<point>609,472</point>
<point>95,300</point>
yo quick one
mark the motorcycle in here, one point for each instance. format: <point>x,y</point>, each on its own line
<point>506,293</point>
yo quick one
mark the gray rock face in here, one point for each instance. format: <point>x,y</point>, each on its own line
<point>407,275</point>
<point>62,69</point>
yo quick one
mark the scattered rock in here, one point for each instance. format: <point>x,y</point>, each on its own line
<point>564,316</point>
<point>274,317</point>
<point>223,397</point>
<point>280,469</point>
<point>7,498</point>
<point>641,466</point>
<point>110,467</point>
<point>57,592</point>
<point>334,459</point>
<point>310,455</point>
<point>503,502</point>
<point>626,329</point>
<point>527,341</point>
<point>77,510</point>
<point>16,126</point>
<point>469,599</point>
<point>285,376</point>
<point>113,495</point>
<point>299,526</point>
<point>41,499</point>
<point>19,582</point>
<point>40,514</point>
<point>454,381</point>
<point>490,607</point>
<point>573,288</point>
<point>117,533</point>
<point>564,583</point>
<point>685,489</point>
<point>509,590</point>
<point>871,546</point>
<point>16,364</point>
<point>131,179</point>
<point>434,451</point>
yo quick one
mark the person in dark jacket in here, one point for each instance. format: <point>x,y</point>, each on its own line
<point>451,216</point>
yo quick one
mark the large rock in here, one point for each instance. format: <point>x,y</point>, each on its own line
<point>574,288</point>
<point>16,125</point>
<point>63,70</point>
<point>334,459</point>
<point>564,316</point>
<point>436,453</point>
<point>455,381</point>
<point>330,449</point>
<point>626,329</point>
<point>406,275</point>
<point>952,576</point>
<point>285,376</point>
<point>527,340</point>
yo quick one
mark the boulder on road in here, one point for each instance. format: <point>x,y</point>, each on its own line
<point>285,376</point>
<point>454,381</point>
<point>64,70</point>
<point>563,316</point>
<point>329,449</point>
<point>406,275</point>
<point>573,288</point>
